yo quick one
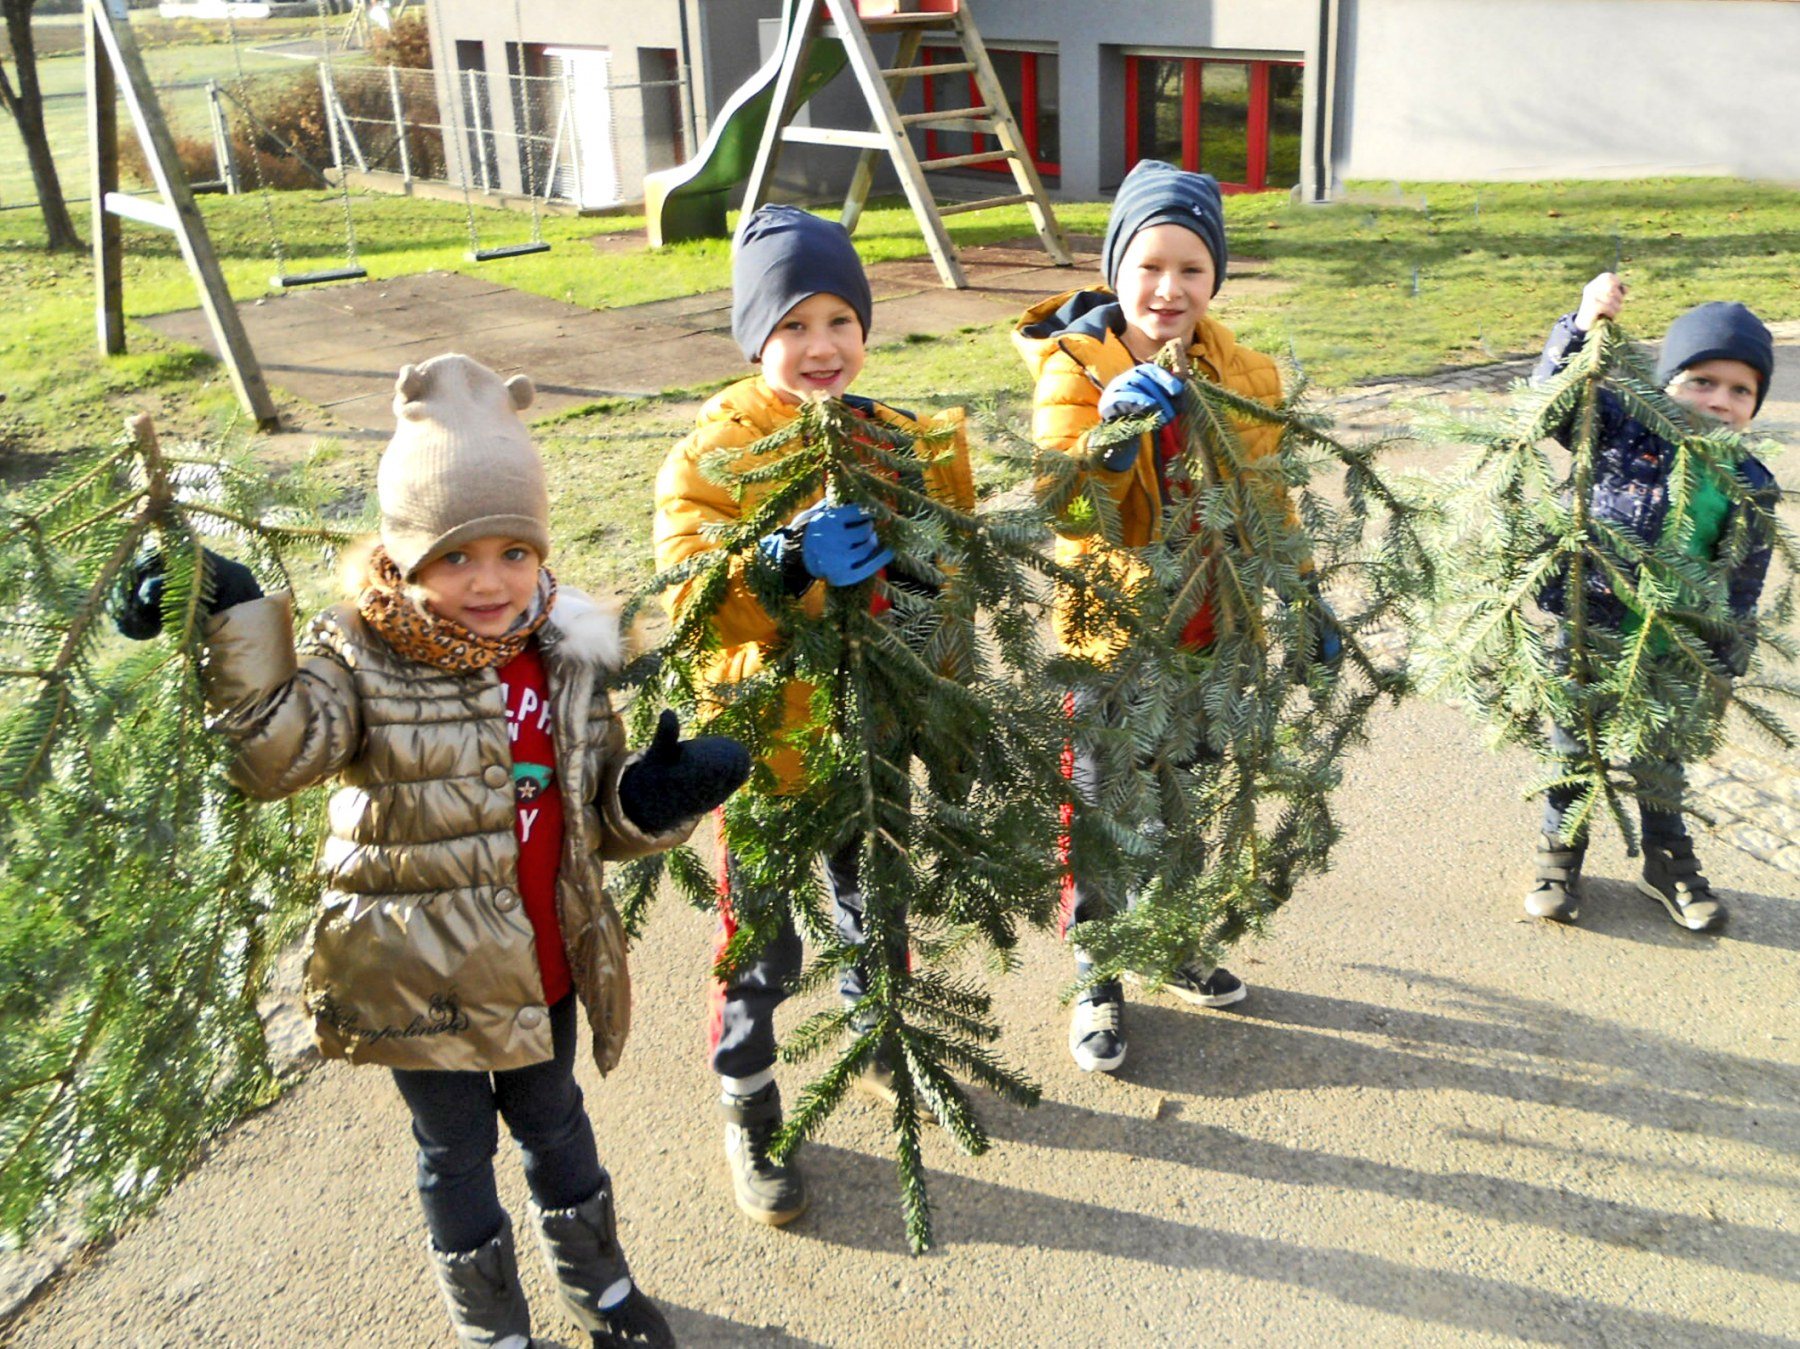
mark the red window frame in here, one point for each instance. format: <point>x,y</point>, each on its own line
<point>1193,75</point>
<point>1026,114</point>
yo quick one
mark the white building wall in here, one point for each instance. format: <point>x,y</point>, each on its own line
<point>1524,89</point>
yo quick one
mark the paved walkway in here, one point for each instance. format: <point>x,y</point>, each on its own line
<point>1433,1122</point>
<point>336,348</point>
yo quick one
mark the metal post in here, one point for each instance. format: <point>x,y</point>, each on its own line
<point>331,126</point>
<point>399,125</point>
<point>480,146</point>
<point>574,135</point>
<point>224,153</point>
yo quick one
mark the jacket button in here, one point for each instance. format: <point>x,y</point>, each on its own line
<point>505,900</point>
<point>529,1017</point>
<point>496,776</point>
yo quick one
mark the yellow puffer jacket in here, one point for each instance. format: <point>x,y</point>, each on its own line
<point>1072,344</point>
<point>422,955</point>
<point>687,503</point>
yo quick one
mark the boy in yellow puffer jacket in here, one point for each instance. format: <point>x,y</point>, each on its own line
<point>801,310</point>
<point>1092,352</point>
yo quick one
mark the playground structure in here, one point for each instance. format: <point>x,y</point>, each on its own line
<point>689,201</point>
<point>115,70</point>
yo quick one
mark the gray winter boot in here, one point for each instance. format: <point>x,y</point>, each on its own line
<point>481,1290</point>
<point>769,1191</point>
<point>1556,890</point>
<point>581,1246</point>
<point>1672,877</point>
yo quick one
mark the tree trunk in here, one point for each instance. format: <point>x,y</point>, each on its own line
<point>27,109</point>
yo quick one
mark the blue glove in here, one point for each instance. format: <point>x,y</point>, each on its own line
<point>1143,388</point>
<point>840,545</point>
<point>1327,641</point>
<point>137,609</point>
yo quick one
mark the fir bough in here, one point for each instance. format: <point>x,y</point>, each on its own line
<point>1653,687</point>
<point>141,897</point>
<point>931,746</point>
<point>1217,764</point>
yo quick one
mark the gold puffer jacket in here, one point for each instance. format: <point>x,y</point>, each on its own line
<point>1072,344</point>
<point>422,955</point>
<point>687,502</point>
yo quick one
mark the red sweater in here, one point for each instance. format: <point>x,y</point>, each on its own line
<point>538,798</point>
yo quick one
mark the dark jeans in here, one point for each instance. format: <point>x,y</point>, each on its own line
<point>742,1030</point>
<point>455,1121</point>
<point>1082,899</point>
<point>1665,777</point>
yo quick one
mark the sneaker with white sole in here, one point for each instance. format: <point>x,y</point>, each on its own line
<point>1215,987</point>
<point>1097,1028</point>
<point>1672,878</point>
<point>771,1192</point>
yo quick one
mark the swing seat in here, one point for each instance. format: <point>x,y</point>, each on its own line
<point>320,278</point>
<point>509,251</point>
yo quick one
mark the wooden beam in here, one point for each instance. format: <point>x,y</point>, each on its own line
<point>111,23</point>
<point>103,180</point>
<point>143,210</point>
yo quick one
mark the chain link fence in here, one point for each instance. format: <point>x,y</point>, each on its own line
<point>564,132</point>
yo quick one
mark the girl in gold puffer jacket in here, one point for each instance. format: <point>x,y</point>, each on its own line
<point>460,703</point>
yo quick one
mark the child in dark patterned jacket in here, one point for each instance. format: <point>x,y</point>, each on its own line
<point>1716,359</point>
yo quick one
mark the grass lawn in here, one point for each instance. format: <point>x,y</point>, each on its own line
<point>1389,282</point>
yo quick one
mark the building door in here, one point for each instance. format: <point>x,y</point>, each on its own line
<point>1236,118</point>
<point>583,162</point>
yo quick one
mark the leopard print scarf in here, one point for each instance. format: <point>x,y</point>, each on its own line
<point>404,623</point>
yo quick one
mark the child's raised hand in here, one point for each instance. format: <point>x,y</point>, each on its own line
<point>137,610</point>
<point>1601,298</point>
<point>675,781</point>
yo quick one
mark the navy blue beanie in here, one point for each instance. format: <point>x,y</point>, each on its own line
<point>1155,193</point>
<point>1718,331</point>
<point>785,256</point>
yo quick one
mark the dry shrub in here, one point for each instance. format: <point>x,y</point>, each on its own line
<point>407,44</point>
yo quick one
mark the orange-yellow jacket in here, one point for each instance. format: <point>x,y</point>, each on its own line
<point>687,503</point>
<point>1073,345</point>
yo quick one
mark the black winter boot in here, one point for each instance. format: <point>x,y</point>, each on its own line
<point>1672,877</point>
<point>482,1292</point>
<point>581,1246</point>
<point>767,1191</point>
<point>1556,890</point>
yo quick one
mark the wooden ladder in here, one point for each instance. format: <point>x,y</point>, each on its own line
<point>882,87</point>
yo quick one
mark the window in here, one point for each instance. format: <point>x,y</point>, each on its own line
<point>659,83</point>
<point>1238,120</point>
<point>1029,80</point>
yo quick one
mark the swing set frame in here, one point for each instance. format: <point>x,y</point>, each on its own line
<point>115,69</point>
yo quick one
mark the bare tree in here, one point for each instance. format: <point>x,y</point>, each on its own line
<point>26,104</point>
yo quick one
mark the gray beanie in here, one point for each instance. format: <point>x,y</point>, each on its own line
<point>786,255</point>
<point>1155,193</point>
<point>1718,331</point>
<point>461,465</point>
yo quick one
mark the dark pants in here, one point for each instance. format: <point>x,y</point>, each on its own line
<point>742,1027</point>
<point>1665,777</point>
<point>1082,900</point>
<point>455,1121</point>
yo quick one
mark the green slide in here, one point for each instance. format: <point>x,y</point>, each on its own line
<point>688,201</point>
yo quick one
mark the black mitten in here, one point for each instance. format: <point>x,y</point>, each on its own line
<point>138,610</point>
<point>675,781</point>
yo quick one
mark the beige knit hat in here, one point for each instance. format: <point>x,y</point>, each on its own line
<point>461,465</point>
